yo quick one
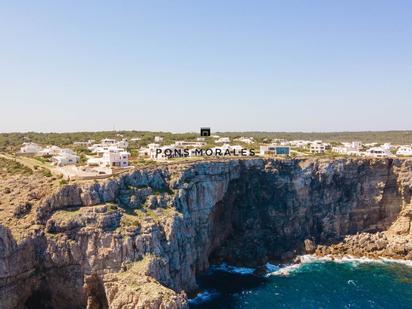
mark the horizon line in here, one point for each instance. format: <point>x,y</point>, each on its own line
<point>195,132</point>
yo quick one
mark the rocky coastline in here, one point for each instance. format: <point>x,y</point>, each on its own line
<point>139,240</point>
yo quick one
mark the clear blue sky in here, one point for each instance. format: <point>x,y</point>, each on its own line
<point>232,65</point>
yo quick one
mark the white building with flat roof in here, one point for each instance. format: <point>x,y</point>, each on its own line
<point>30,148</point>
<point>65,158</point>
<point>352,148</point>
<point>388,146</point>
<point>146,151</point>
<point>52,151</point>
<point>85,144</point>
<point>109,142</point>
<point>246,140</point>
<point>274,150</point>
<point>317,147</point>
<point>378,152</point>
<point>223,140</point>
<point>300,143</point>
<point>113,157</point>
<point>404,151</point>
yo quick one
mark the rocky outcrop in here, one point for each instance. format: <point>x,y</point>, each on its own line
<point>138,241</point>
<point>381,244</point>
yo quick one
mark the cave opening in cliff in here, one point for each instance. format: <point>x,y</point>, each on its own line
<point>41,298</point>
<point>62,288</point>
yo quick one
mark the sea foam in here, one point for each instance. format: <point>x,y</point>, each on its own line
<point>232,269</point>
<point>203,297</point>
<point>287,269</point>
<point>353,261</point>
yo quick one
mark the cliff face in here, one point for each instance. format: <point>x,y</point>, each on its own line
<point>139,240</point>
<point>271,211</point>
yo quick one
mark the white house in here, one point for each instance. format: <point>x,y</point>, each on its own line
<point>65,158</point>
<point>388,146</point>
<point>113,157</point>
<point>146,151</point>
<point>378,152</point>
<point>30,148</point>
<point>404,151</point>
<point>152,145</point>
<point>280,141</point>
<point>340,149</point>
<point>355,145</point>
<point>123,143</point>
<point>51,151</point>
<point>103,149</point>
<point>81,144</point>
<point>352,148</point>
<point>246,140</point>
<point>317,147</point>
<point>109,142</point>
<point>116,159</point>
<point>158,139</point>
<point>274,149</point>
<point>299,143</point>
<point>86,144</point>
<point>223,140</point>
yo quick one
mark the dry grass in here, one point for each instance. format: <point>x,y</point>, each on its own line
<point>21,185</point>
<point>13,167</point>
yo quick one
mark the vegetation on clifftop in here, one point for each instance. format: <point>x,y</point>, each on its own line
<point>12,141</point>
<point>13,167</point>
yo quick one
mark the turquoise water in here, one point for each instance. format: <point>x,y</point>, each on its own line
<point>312,285</point>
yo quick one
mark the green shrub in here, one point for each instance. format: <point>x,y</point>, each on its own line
<point>46,173</point>
<point>14,167</point>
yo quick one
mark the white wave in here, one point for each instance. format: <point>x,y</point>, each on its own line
<point>352,282</point>
<point>403,262</point>
<point>354,261</point>
<point>203,297</point>
<point>284,270</point>
<point>270,268</point>
<point>233,269</point>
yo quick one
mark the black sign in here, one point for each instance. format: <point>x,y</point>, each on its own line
<point>204,131</point>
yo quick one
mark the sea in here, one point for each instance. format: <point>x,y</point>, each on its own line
<point>314,283</point>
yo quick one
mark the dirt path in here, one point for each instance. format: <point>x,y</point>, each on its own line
<point>31,163</point>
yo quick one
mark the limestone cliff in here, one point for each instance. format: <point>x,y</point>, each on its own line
<point>138,241</point>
